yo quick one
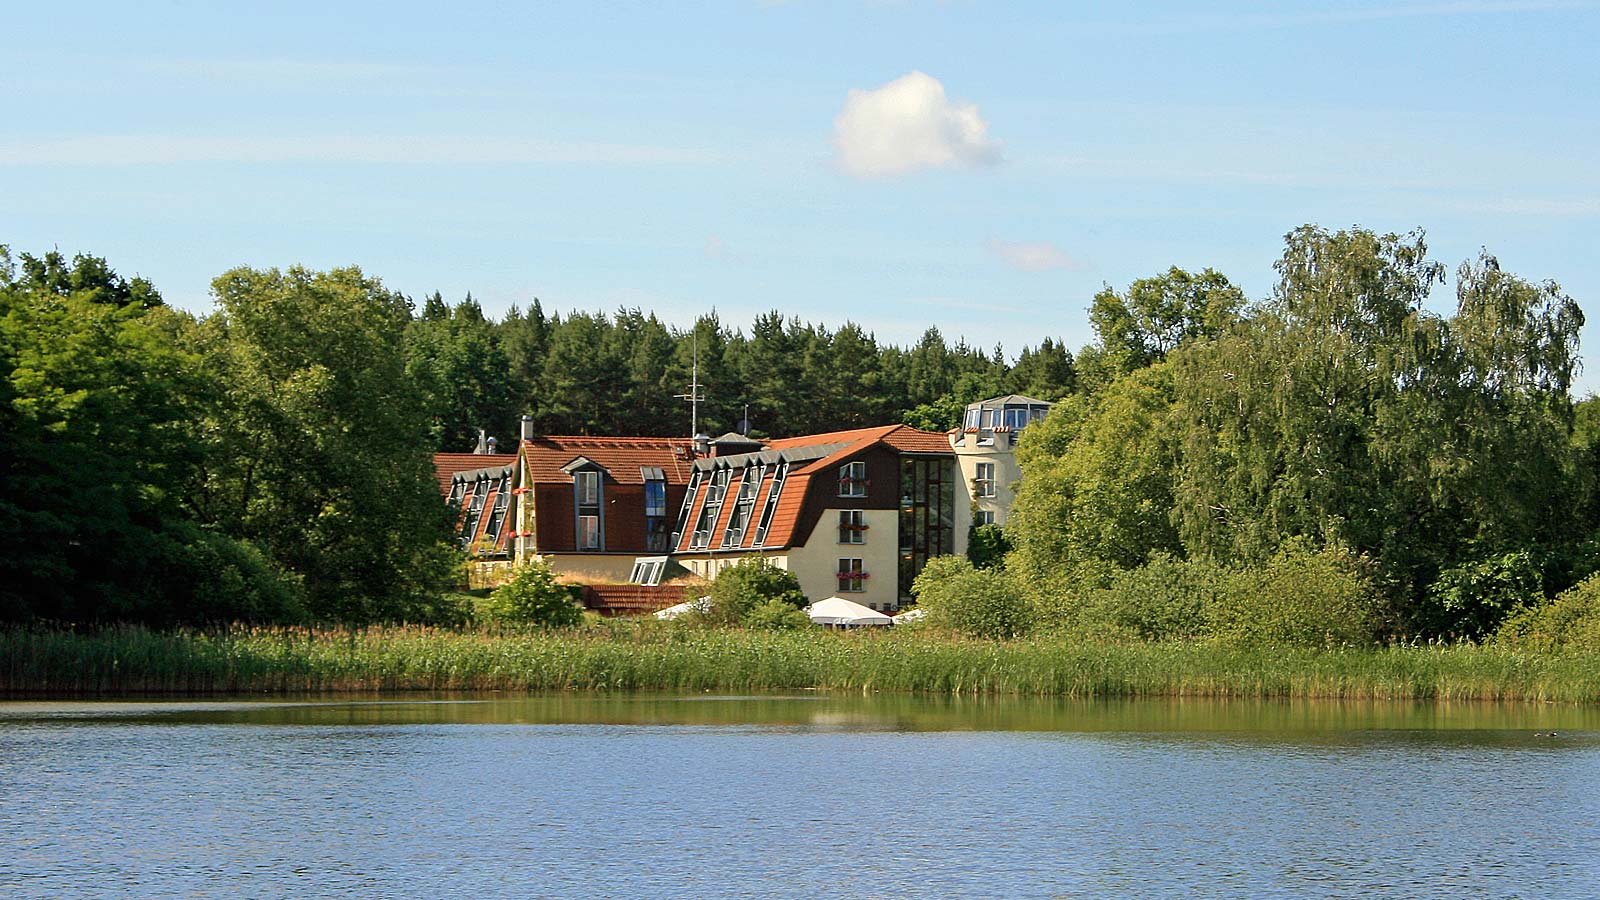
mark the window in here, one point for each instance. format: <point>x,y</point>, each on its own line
<point>655,498</point>
<point>655,515</point>
<point>928,488</point>
<point>853,479</point>
<point>457,491</point>
<point>586,492</point>
<point>852,526</point>
<point>744,504</point>
<point>852,577</point>
<point>983,483</point>
<point>772,503</point>
<point>469,525</point>
<point>683,511</point>
<point>588,532</point>
<point>1016,417</point>
<point>971,420</point>
<point>750,483</point>
<point>710,510</point>
<point>502,501</point>
<point>983,517</point>
<point>648,570</point>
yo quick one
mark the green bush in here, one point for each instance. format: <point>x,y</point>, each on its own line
<point>777,615</point>
<point>987,546</point>
<point>532,597</point>
<point>1302,597</point>
<point>1471,599</point>
<point>1570,621</point>
<point>1166,599</point>
<point>748,584</point>
<point>976,602</point>
<point>229,580</point>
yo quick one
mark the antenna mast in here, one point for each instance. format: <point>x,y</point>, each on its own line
<point>694,397</point>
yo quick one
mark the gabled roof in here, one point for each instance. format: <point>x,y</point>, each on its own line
<point>446,465</point>
<point>551,457</point>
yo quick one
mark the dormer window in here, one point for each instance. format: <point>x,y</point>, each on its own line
<point>853,479</point>
<point>587,491</point>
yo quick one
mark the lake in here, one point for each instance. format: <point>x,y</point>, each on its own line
<point>642,796</point>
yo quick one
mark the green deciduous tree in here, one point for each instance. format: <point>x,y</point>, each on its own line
<point>532,597</point>
<point>1154,316</point>
<point>319,450</point>
<point>1097,481</point>
<point>742,589</point>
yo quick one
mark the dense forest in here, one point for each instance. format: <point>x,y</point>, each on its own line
<point>593,373</point>
<point>1333,461</point>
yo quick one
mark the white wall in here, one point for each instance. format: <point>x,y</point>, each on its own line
<point>817,563</point>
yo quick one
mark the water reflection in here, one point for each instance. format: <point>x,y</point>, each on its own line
<point>1276,719</point>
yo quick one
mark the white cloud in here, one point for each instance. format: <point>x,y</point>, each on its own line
<point>114,150</point>
<point>909,124</point>
<point>1032,256</point>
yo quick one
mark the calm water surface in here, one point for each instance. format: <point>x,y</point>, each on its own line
<point>810,796</point>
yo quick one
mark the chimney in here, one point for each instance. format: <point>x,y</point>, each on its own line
<point>483,445</point>
<point>527,428</point>
<point>702,445</point>
<point>492,444</point>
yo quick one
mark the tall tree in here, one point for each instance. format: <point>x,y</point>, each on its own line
<point>1154,316</point>
<point>465,378</point>
<point>1046,373</point>
<point>320,451</point>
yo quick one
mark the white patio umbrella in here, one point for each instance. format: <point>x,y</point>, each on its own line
<point>839,611</point>
<point>684,608</point>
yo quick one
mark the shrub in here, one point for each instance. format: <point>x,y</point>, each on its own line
<point>1570,621</point>
<point>777,615</point>
<point>229,580</point>
<point>1303,596</point>
<point>1472,599</point>
<point>532,597</point>
<point>987,546</point>
<point>739,589</point>
<point>1164,600</point>
<point>984,603</point>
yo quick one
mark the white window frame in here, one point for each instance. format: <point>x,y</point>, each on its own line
<point>848,567</point>
<point>851,525</point>
<point>984,487</point>
<point>983,517</point>
<point>853,479</point>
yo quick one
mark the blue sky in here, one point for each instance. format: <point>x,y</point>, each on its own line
<point>981,167</point>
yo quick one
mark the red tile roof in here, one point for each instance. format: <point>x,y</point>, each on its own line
<point>791,502</point>
<point>621,457</point>
<point>447,465</point>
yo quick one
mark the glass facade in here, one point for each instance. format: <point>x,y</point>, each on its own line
<point>927,514</point>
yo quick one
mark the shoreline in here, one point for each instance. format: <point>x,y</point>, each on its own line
<point>407,659</point>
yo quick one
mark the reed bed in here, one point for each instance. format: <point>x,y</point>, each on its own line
<point>37,661</point>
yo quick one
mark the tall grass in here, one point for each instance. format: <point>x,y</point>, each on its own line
<point>296,660</point>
